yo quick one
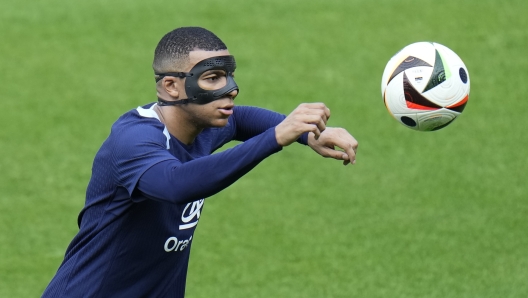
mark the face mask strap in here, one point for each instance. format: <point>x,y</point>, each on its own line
<point>162,102</point>
<point>173,74</point>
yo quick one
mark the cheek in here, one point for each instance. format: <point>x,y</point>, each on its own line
<point>206,109</point>
<point>202,113</point>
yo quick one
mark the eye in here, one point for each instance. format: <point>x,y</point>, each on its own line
<point>213,76</point>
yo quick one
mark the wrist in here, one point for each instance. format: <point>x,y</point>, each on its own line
<point>278,137</point>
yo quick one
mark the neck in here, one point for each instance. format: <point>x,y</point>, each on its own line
<point>178,126</point>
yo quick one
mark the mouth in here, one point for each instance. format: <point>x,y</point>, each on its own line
<point>226,110</point>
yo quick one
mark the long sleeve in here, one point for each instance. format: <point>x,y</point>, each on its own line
<point>252,121</point>
<point>178,182</point>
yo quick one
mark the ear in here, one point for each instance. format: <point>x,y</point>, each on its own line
<point>172,86</point>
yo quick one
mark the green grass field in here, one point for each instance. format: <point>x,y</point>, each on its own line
<point>421,215</point>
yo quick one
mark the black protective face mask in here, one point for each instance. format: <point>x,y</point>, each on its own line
<point>196,94</point>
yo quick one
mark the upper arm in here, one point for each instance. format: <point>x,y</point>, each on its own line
<point>135,150</point>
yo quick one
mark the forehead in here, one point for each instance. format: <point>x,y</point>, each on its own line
<point>199,55</point>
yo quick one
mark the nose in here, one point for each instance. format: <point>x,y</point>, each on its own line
<point>233,93</point>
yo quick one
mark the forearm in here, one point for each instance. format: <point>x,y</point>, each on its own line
<point>252,121</point>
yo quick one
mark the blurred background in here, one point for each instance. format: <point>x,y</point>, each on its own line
<point>435,214</point>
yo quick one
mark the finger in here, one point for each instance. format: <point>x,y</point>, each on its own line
<point>333,153</point>
<point>327,113</point>
<point>320,118</point>
<point>311,108</point>
<point>317,128</point>
<point>322,111</point>
<point>325,110</point>
<point>309,127</point>
<point>321,125</point>
<point>351,154</point>
<point>349,145</point>
<point>313,128</point>
<point>313,105</point>
<point>315,119</point>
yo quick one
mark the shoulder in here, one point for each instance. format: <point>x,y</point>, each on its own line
<point>137,126</point>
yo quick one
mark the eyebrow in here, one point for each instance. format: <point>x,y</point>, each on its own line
<point>214,71</point>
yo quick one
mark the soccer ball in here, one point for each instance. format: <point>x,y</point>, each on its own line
<point>425,86</point>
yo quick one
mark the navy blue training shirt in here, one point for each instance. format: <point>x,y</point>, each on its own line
<point>145,198</point>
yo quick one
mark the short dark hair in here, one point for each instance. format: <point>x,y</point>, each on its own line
<point>173,49</point>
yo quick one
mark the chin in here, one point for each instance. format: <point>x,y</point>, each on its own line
<point>219,122</point>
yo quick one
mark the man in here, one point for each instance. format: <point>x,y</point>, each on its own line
<point>150,177</point>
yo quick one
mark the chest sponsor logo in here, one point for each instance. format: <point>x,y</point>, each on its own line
<point>191,214</point>
<point>173,244</point>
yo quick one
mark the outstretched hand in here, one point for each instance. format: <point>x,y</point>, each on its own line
<point>331,138</point>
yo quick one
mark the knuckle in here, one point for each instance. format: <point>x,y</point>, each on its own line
<point>352,145</point>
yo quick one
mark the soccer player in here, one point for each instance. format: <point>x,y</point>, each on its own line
<point>152,174</point>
